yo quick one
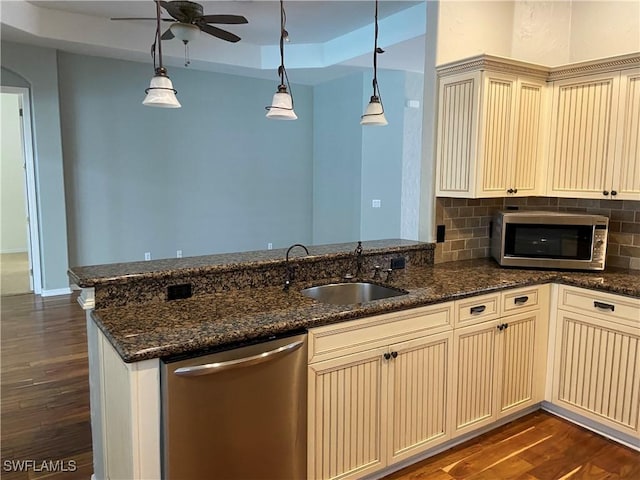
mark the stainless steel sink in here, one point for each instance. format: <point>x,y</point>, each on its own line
<point>347,293</point>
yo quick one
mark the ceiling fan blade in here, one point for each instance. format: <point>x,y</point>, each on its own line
<point>218,32</point>
<point>143,18</point>
<point>225,19</point>
<point>174,11</point>
<point>167,35</point>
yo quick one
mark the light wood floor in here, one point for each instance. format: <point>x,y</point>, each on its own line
<point>14,273</point>
<point>45,414</point>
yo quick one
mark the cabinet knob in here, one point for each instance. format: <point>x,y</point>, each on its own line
<point>505,325</point>
<point>387,356</point>
<point>614,193</point>
<point>510,190</point>
<point>605,193</point>
<point>515,190</point>
<point>500,327</point>
<point>394,354</point>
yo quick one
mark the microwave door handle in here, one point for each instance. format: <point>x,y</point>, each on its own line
<point>218,367</point>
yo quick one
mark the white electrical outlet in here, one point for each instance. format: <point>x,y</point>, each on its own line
<point>178,253</point>
<point>269,246</point>
<point>147,255</point>
<point>375,203</point>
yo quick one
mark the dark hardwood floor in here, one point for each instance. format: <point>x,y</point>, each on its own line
<point>44,379</point>
<point>45,414</point>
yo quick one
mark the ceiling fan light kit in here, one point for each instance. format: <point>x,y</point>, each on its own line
<point>374,113</point>
<point>281,107</point>
<point>185,32</point>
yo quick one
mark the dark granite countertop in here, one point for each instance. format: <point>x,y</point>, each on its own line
<point>162,329</point>
<point>94,275</point>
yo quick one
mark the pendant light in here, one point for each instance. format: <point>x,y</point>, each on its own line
<point>374,113</point>
<point>160,92</point>
<point>281,107</point>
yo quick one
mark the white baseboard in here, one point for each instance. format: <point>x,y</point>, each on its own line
<point>55,292</point>
<point>13,250</point>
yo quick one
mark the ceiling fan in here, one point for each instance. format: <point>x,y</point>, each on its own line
<point>188,19</point>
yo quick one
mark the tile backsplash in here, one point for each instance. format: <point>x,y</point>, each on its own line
<point>467,225</point>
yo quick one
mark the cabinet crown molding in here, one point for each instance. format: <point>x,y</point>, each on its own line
<point>494,64</point>
<point>603,65</point>
<point>509,65</point>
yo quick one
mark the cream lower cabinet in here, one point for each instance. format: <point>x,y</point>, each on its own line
<point>597,360</point>
<point>377,406</point>
<point>499,363</point>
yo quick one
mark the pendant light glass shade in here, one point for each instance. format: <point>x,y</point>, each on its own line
<point>160,92</point>
<point>282,106</point>
<point>374,114</point>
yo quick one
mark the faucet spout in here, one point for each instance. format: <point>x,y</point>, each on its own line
<point>291,273</point>
<point>358,253</point>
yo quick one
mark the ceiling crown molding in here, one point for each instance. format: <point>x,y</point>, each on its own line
<point>620,62</point>
<point>494,64</point>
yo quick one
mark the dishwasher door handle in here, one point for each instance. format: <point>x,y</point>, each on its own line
<point>217,367</point>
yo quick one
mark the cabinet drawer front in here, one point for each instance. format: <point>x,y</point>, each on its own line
<point>521,300</point>
<point>360,335</point>
<point>477,309</point>
<point>615,308</point>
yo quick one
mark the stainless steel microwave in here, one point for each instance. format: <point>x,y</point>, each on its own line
<point>554,240</point>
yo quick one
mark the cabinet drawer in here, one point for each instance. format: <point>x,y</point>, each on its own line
<point>522,299</point>
<point>615,308</point>
<point>477,309</point>
<point>356,336</point>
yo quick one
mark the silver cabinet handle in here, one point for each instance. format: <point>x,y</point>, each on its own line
<point>218,367</point>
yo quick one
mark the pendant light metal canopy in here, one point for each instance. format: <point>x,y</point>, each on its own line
<point>281,107</point>
<point>160,92</point>
<point>374,113</point>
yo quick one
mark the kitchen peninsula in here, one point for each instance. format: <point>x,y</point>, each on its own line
<point>239,298</point>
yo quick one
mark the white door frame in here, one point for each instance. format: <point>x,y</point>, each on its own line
<point>30,175</point>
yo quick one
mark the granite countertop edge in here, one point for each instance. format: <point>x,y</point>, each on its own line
<point>166,332</point>
<point>123,273</point>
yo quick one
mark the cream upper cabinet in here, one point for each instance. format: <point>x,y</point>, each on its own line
<point>597,357</point>
<point>490,139</point>
<point>595,134</point>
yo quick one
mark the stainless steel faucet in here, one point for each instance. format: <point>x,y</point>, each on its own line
<point>291,272</point>
<point>358,253</point>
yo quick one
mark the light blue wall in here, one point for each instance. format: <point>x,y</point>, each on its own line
<point>38,66</point>
<point>213,176</point>
<point>382,160</point>
<point>354,165</point>
<point>337,152</point>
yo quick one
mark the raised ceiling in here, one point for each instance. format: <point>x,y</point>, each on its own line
<point>327,37</point>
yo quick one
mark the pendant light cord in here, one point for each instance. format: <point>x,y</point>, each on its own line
<point>282,71</point>
<point>376,50</point>
<point>157,42</point>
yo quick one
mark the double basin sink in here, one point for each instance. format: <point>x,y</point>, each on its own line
<point>350,293</point>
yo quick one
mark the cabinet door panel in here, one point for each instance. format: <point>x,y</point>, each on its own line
<point>345,412</point>
<point>596,370</point>
<point>517,354</point>
<point>627,175</point>
<point>528,139</point>
<point>419,389</point>
<point>475,380</point>
<point>583,148</point>
<point>457,124</point>
<point>498,102</point>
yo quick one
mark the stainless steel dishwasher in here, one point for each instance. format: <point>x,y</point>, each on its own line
<point>237,414</point>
